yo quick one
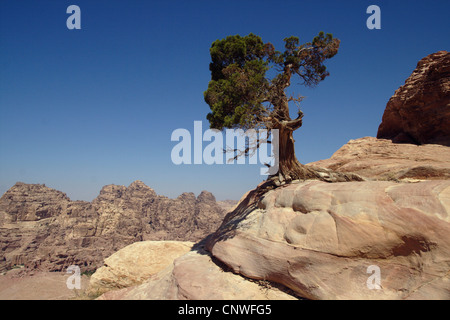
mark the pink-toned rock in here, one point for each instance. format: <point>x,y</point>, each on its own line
<point>419,111</point>
<point>41,228</point>
<point>321,239</point>
<point>382,159</point>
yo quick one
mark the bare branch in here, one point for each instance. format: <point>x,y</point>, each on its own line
<point>297,123</point>
<point>249,150</point>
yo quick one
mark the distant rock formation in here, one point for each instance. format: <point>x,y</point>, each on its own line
<point>227,205</point>
<point>419,111</point>
<point>41,228</point>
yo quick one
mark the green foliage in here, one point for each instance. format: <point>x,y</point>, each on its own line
<point>241,95</point>
<point>238,77</point>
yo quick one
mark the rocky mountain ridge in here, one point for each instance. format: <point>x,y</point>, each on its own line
<point>41,228</point>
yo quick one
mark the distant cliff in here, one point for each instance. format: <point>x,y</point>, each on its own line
<point>41,228</point>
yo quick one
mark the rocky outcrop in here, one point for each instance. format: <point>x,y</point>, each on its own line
<point>195,276</point>
<point>419,111</point>
<point>381,159</point>
<point>170,214</point>
<point>323,240</point>
<point>414,135</point>
<point>42,228</point>
<point>133,264</point>
<point>29,202</point>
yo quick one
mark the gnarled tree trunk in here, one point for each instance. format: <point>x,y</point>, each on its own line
<point>289,168</point>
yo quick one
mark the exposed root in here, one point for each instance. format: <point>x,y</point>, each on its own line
<point>320,174</point>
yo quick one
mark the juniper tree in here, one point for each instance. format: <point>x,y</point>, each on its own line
<point>241,94</point>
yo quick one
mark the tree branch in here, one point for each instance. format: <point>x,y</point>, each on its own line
<point>297,123</point>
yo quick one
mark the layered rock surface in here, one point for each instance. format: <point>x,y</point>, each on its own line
<point>419,111</point>
<point>195,276</point>
<point>133,264</point>
<point>319,239</point>
<point>42,228</point>
<point>381,159</point>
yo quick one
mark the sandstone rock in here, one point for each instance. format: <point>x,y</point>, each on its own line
<point>42,228</point>
<point>419,111</point>
<point>135,263</point>
<point>319,239</point>
<point>384,160</point>
<point>183,218</point>
<point>194,276</point>
<point>31,202</point>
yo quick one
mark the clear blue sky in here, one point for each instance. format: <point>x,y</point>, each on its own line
<point>80,109</point>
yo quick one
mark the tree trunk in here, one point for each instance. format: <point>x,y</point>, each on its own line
<point>289,168</point>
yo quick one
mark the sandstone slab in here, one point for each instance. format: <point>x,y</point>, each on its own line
<point>135,263</point>
<point>321,239</point>
<point>381,159</point>
<point>195,276</point>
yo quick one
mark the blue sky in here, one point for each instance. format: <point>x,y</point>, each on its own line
<point>80,109</point>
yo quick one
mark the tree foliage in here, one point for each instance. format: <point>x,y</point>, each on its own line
<point>240,93</point>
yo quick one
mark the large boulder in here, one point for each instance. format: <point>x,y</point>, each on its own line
<point>135,263</point>
<point>323,240</point>
<point>419,111</point>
